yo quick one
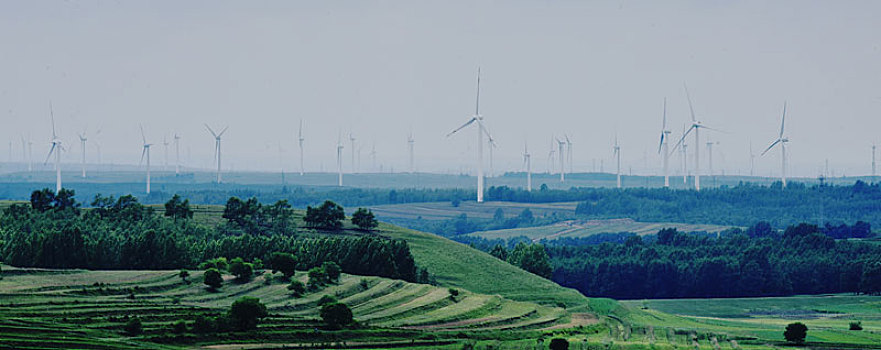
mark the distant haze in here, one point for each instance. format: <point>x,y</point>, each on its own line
<point>381,69</point>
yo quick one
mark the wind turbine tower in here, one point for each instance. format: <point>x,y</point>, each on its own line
<point>217,153</point>
<point>781,140</point>
<point>301,139</point>
<point>177,154</point>
<point>481,131</point>
<point>146,152</point>
<point>664,145</point>
<point>617,152</point>
<point>561,145</point>
<point>352,140</point>
<point>83,148</point>
<point>528,163</point>
<point>339,160</point>
<point>568,152</point>
<point>696,125</point>
<point>57,148</point>
<point>165,144</point>
<point>410,144</point>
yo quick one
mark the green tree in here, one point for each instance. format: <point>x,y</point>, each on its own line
<point>297,288</point>
<point>317,277</point>
<point>246,312</point>
<point>499,252</point>
<point>177,209</point>
<point>184,274</point>
<point>532,258</point>
<point>559,344</point>
<point>328,215</point>
<point>134,326</point>
<point>213,279</point>
<point>42,200</point>
<point>327,299</point>
<point>364,219</point>
<point>286,263</point>
<point>336,315</point>
<point>870,283</point>
<point>796,333</point>
<point>179,327</point>
<point>331,270</point>
<point>241,269</point>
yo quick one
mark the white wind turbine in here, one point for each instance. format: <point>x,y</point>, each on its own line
<point>165,144</point>
<point>568,152</point>
<point>57,148</point>
<point>551,163</point>
<point>146,152</point>
<point>562,146</point>
<point>617,152</point>
<point>217,154</point>
<point>27,151</point>
<point>527,161</point>
<point>410,144</point>
<point>696,125</point>
<point>490,145</point>
<point>481,131</point>
<point>339,160</point>
<point>665,145</point>
<point>301,139</point>
<point>176,154</point>
<point>752,159</point>
<point>352,140</point>
<point>782,140</point>
<point>373,157</point>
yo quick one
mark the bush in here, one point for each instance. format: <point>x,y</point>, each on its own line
<point>332,270</point>
<point>134,326</point>
<point>336,315</point>
<point>559,344</point>
<point>184,274</point>
<point>328,215</point>
<point>364,219</point>
<point>213,278</point>
<point>285,263</point>
<point>317,278</point>
<point>327,299</point>
<point>202,325</point>
<point>241,269</point>
<point>796,333</point>
<point>179,327</point>
<point>218,263</point>
<point>297,288</point>
<point>245,312</point>
<point>363,283</point>
<point>856,326</point>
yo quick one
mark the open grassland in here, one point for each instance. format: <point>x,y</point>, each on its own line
<point>584,228</point>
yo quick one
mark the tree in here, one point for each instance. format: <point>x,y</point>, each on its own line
<point>297,288</point>
<point>213,278</point>
<point>285,263</point>
<point>870,283</point>
<point>499,215</point>
<point>331,270</point>
<point>364,219</point>
<point>184,274</point>
<point>179,327</point>
<point>202,324</point>
<point>177,209</point>
<point>559,344</point>
<point>796,332</point>
<point>532,258</point>
<point>134,326</point>
<point>245,312</point>
<point>336,315</point>
<point>327,299</point>
<point>328,215</point>
<point>241,269</point>
<point>499,252</point>
<point>317,278</point>
<point>41,200</point>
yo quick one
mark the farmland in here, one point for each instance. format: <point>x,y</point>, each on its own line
<point>584,228</point>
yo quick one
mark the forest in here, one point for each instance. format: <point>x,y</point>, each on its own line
<point>123,234</point>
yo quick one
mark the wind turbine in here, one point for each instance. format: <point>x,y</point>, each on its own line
<point>491,144</point>
<point>481,130</point>
<point>26,149</point>
<point>752,159</point>
<point>352,140</point>
<point>617,153</point>
<point>146,152</point>
<point>339,159</point>
<point>527,161</point>
<point>696,125</point>
<point>177,154</point>
<point>301,139</point>
<point>782,140</point>
<point>551,164</point>
<point>873,160</point>
<point>56,144</point>
<point>562,145</point>
<point>373,156</point>
<point>710,145</point>
<point>410,144</point>
<point>568,152</point>
<point>165,144</point>
<point>217,154</point>
<point>83,140</point>
<point>665,145</point>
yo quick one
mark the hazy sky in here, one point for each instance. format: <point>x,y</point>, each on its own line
<point>380,69</point>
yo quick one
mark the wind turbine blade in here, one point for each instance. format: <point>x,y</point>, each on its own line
<point>662,142</point>
<point>477,104</point>
<point>690,107</point>
<point>142,134</point>
<point>52,117</point>
<point>222,131</point>
<point>142,155</point>
<point>664,124</point>
<point>211,131</point>
<point>486,132</point>
<point>462,127</point>
<point>783,121</point>
<point>50,153</point>
<point>301,129</point>
<point>713,129</point>
<point>771,146</point>
<point>683,138</point>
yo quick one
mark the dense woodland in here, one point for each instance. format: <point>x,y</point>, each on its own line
<point>121,233</point>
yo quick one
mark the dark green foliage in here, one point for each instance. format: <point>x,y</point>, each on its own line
<point>133,326</point>
<point>559,344</point>
<point>796,333</point>
<point>499,252</point>
<point>332,271</point>
<point>216,263</point>
<point>532,258</point>
<point>453,291</point>
<point>317,278</point>
<point>336,315</point>
<point>179,327</point>
<point>241,269</point>
<point>870,283</point>
<point>245,312</point>
<point>177,209</point>
<point>184,274</point>
<point>326,299</point>
<point>45,200</point>
<point>297,288</point>
<point>856,326</point>
<point>364,219</point>
<point>213,279</point>
<point>328,215</point>
<point>203,325</point>
<point>257,219</point>
<point>286,263</point>
<point>363,283</point>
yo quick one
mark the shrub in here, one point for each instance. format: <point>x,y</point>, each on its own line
<point>364,219</point>
<point>184,274</point>
<point>245,312</point>
<point>134,326</point>
<point>285,263</point>
<point>336,315</point>
<point>241,269</point>
<point>332,270</point>
<point>559,344</point>
<point>856,326</point>
<point>317,278</point>
<point>363,283</point>
<point>213,278</point>
<point>202,324</point>
<point>179,327</point>
<point>297,288</point>
<point>326,299</point>
<point>796,332</point>
<point>328,215</point>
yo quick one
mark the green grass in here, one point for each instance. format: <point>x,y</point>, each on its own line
<point>584,228</point>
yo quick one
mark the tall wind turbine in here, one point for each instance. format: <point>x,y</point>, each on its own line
<point>617,151</point>
<point>83,140</point>
<point>339,160</point>
<point>752,159</point>
<point>710,145</point>
<point>217,154</point>
<point>781,140</point>
<point>568,152</point>
<point>490,145</point>
<point>146,152</point>
<point>873,160</point>
<point>57,148</point>
<point>665,145</point>
<point>352,140</point>
<point>410,144</point>
<point>165,144</point>
<point>27,155</point>
<point>301,139</point>
<point>562,146</point>
<point>527,161</point>
<point>696,125</point>
<point>551,164</point>
<point>176,154</point>
<point>481,130</point>
<point>373,157</point>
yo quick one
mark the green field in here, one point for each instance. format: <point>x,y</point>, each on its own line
<point>584,228</point>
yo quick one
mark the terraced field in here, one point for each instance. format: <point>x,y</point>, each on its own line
<point>87,309</point>
<point>584,228</point>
